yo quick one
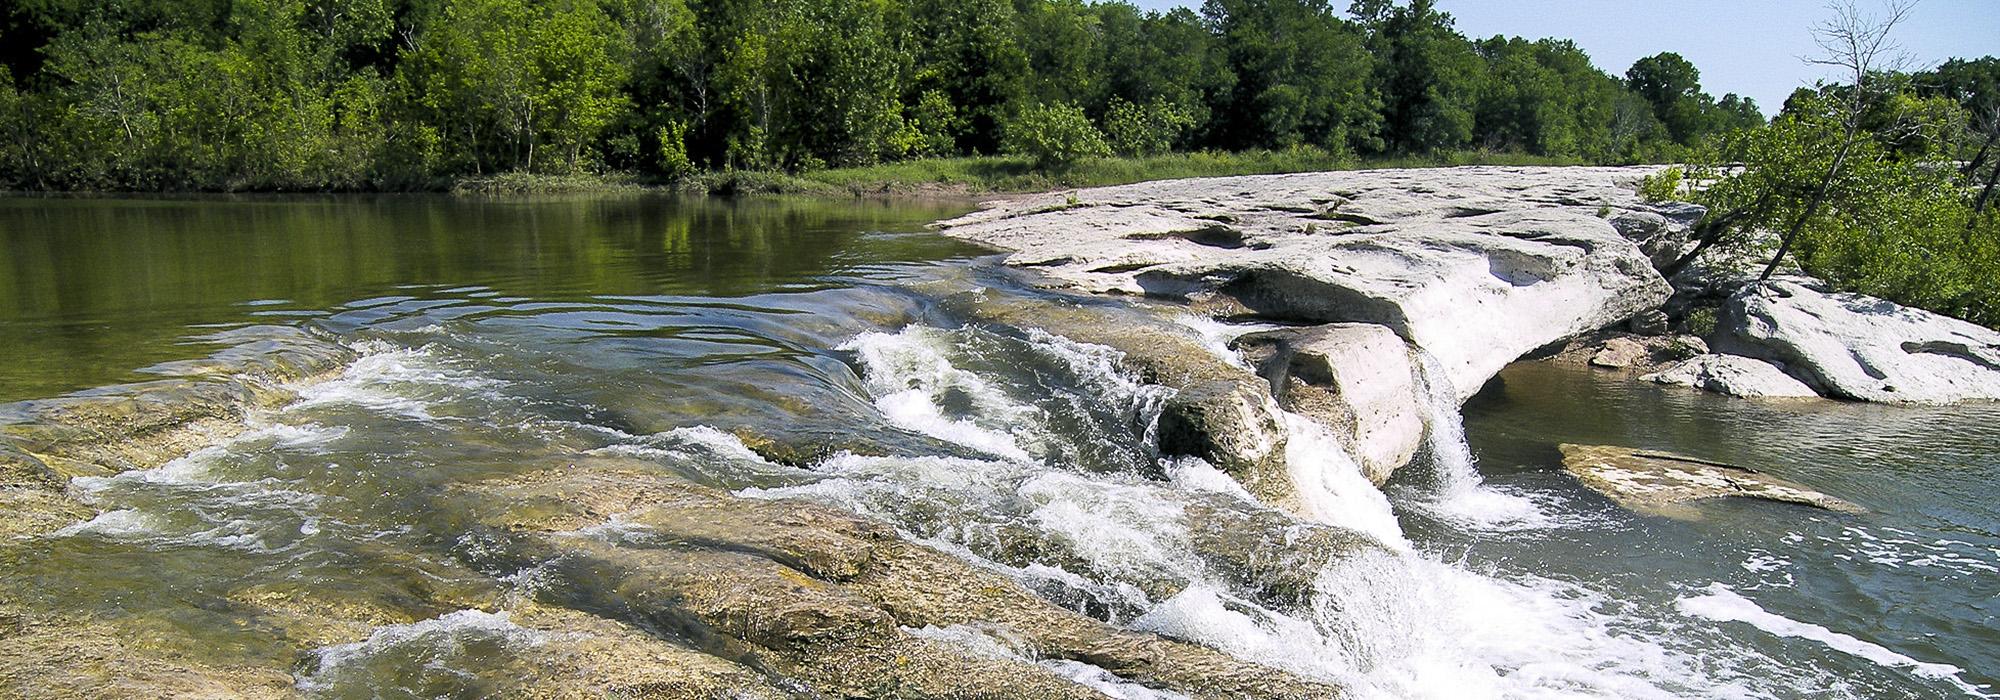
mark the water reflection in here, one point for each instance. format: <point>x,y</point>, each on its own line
<point>93,288</point>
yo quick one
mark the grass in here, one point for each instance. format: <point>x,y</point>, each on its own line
<point>1002,174</point>
<point>520,183</point>
<point>980,175</point>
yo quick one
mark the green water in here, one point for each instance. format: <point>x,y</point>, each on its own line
<point>92,289</point>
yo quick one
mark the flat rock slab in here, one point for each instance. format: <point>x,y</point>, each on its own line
<point>1476,266</point>
<point>1733,375</point>
<point>1655,482</point>
<point>1859,347</point>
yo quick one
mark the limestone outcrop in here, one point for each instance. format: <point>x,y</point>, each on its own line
<point>1657,483</point>
<point>1356,378</point>
<point>1853,346</point>
<point>1733,375</point>
<point>1476,266</point>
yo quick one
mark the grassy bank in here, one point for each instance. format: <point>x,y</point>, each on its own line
<point>981,175</point>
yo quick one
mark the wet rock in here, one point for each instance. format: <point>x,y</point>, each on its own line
<point>1477,266</point>
<point>820,596</point>
<point>1733,375</point>
<point>106,430</point>
<point>1859,347</point>
<point>53,658</point>
<point>1655,483</point>
<point>141,425</point>
<point>1355,378</point>
<point>1219,412</point>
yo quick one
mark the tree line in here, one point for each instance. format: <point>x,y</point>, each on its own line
<point>400,94</point>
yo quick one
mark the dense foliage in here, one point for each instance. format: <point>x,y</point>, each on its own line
<point>314,94</point>
<point>1904,177</point>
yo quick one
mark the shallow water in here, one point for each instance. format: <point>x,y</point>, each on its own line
<point>499,338</point>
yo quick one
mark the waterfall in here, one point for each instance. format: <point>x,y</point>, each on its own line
<point>1331,484</point>
<point>1457,492</point>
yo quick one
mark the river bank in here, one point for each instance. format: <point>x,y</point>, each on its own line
<point>653,446</point>
<point>960,178</point>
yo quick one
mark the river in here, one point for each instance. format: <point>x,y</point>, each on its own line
<point>497,337</point>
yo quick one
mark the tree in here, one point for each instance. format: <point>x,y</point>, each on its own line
<point>1426,73</point>
<point>1301,76</point>
<point>1672,86</point>
<point>506,80</point>
<point>1148,129</point>
<point>1858,45</point>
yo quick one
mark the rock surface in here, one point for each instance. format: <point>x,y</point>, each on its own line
<point>1620,353</point>
<point>1858,347</point>
<point>1654,483</point>
<point>831,600</point>
<point>1733,375</point>
<point>1220,412</point>
<point>1476,266</point>
<point>1356,378</point>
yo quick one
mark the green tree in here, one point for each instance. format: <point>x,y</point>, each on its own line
<point>1427,74</point>
<point>1054,136</point>
<point>508,81</point>
<point>967,49</point>
<point>1301,76</point>
<point>1148,129</point>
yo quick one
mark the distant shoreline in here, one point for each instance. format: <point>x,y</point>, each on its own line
<point>970,177</point>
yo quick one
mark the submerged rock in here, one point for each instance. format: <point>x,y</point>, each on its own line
<point>1654,482</point>
<point>1733,375</point>
<point>832,601</point>
<point>102,431</point>
<point>1859,347</point>
<point>1356,378</point>
<point>1477,266</point>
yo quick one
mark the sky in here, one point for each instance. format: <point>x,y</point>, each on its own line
<point>1749,47</point>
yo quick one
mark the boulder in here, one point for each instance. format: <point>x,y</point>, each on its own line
<point>1733,375</point>
<point>1859,347</point>
<point>1356,378</point>
<point>1657,483</point>
<point>1620,353</point>
<point>1477,266</point>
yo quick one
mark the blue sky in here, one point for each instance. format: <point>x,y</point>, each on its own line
<point>1749,47</point>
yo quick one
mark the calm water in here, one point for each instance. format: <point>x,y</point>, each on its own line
<point>497,338</point>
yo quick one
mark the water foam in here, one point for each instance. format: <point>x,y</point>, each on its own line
<point>1216,335</point>
<point>1718,602</point>
<point>912,378</point>
<point>393,380</point>
<point>434,640</point>
<point>1331,485</point>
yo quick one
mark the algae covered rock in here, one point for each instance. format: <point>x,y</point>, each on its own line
<point>828,599</point>
<point>1655,483</point>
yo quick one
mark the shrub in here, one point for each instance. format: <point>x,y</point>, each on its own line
<point>1054,136</point>
<point>1663,186</point>
<point>1148,129</point>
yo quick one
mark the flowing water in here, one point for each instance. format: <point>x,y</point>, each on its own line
<point>497,338</point>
